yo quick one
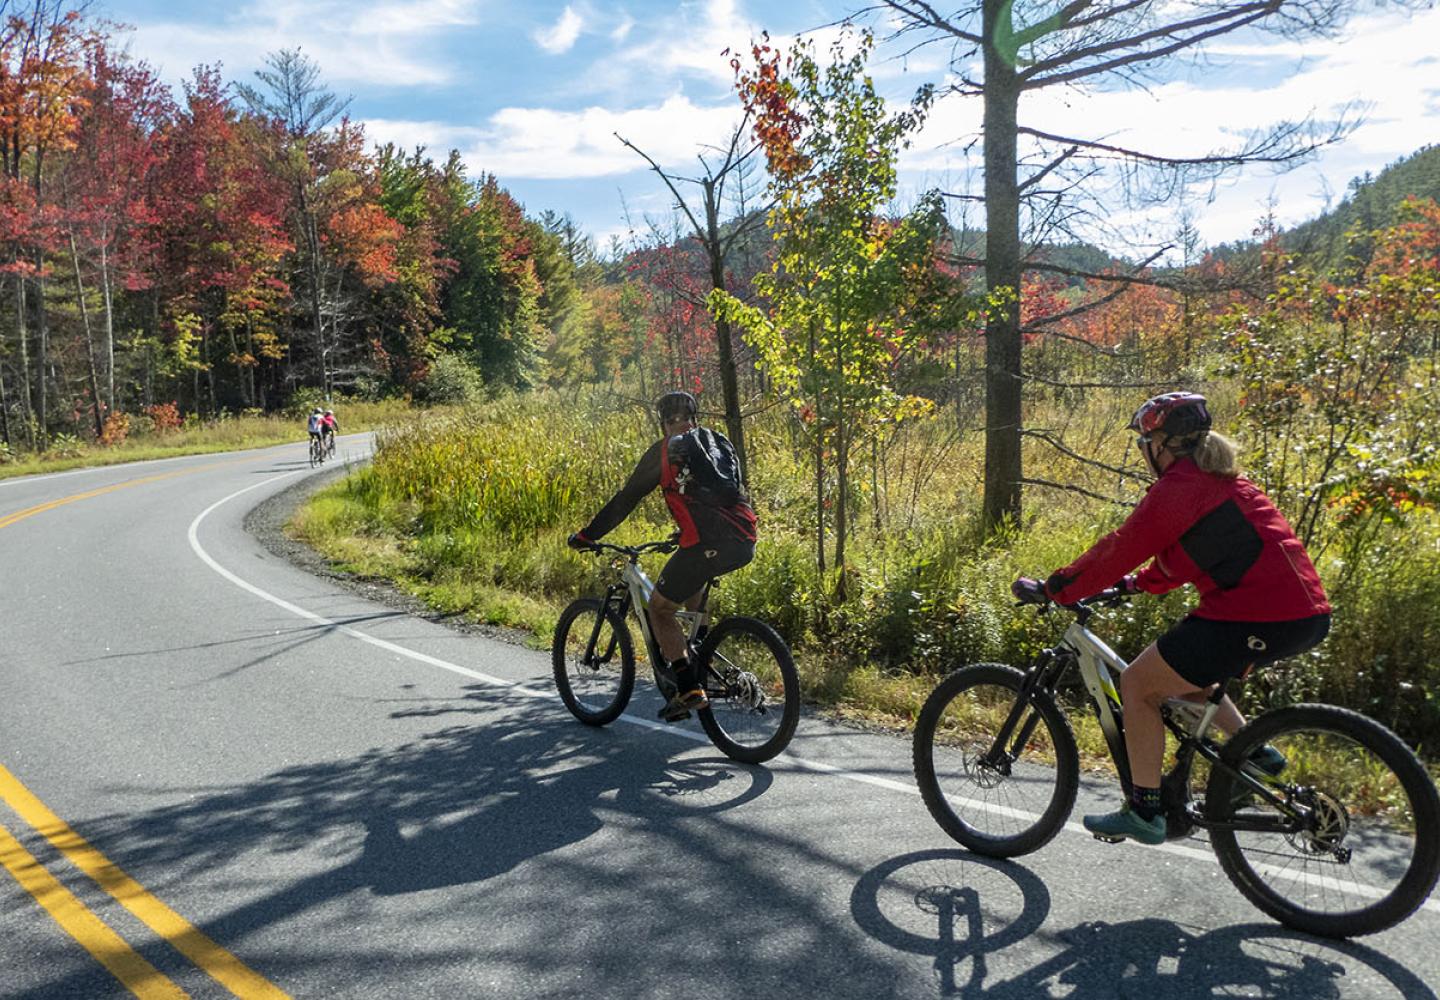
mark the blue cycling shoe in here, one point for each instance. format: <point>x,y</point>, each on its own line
<point>1127,824</point>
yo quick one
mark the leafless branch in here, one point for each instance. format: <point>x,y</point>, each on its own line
<point>1070,488</point>
<point>1058,445</point>
<point>1221,21</point>
<point>924,15</point>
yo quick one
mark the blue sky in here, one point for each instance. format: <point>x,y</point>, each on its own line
<point>533,92</point>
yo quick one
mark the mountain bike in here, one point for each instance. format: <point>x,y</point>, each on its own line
<point>746,667</point>
<point>317,451</point>
<point>1338,836</point>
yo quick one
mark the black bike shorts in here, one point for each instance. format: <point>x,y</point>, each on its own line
<point>1205,651</point>
<point>689,569</point>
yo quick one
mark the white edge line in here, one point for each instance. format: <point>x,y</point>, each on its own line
<point>890,784</point>
<point>38,477</point>
<point>389,647</point>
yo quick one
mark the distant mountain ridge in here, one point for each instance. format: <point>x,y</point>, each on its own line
<point>1369,203</point>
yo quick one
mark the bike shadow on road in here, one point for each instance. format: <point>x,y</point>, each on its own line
<point>512,828</point>
<point>965,910</point>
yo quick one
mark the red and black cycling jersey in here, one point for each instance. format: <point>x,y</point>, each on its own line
<point>1221,534</point>
<point>700,516</point>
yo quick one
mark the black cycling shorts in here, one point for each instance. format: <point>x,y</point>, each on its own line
<point>1205,651</point>
<point>689,569</point>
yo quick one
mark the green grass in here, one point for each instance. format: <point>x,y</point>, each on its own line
<point>470,511</point>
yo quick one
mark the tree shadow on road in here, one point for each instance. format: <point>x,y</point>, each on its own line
<point>577,861</point>
<point>964,910</point>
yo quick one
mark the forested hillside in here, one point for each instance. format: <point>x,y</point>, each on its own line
<point>240,245</point>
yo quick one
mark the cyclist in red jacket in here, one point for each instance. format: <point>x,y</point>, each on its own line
<point>1261,599</point>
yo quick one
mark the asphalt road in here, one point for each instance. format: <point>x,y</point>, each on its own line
<point>222,775</point>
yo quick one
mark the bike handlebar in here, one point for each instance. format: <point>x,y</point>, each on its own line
<point>633,552</point>
<point>1109,597</point>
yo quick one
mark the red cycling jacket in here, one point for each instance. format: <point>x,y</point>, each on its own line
<point>698,517</point>
<point>1221,534</point>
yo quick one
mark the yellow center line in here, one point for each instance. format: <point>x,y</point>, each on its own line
<point>21,515</point>
<point>127,966</point>
<point>194,944</point>
<point>108,948</point>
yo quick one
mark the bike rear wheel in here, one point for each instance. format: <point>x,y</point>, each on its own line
<point>1003,803</point>
<point>316,455</point>
<point>1360,850</point>
<point>594,667</point>
<point>753,689</point>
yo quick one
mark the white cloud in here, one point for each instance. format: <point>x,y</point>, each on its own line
<point>1386,62</point>
<point>561,36</point>
<point>621,31</point>
<point>546,143</point>
<point>385,44</point>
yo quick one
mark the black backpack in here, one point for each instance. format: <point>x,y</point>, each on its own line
<point>707,468</point>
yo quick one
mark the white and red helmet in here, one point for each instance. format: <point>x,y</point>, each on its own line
<point>1180,415</point>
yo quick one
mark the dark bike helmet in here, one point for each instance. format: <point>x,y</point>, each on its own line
<point>1181,416</point>
<point>676,404</point>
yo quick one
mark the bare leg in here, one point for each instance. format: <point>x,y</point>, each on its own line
<point>1227,717</point>
<point>1143,686</point>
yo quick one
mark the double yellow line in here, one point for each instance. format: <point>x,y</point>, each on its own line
<point>66,909</point>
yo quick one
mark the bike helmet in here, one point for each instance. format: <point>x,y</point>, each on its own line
<point>316,410</point>
<point>329,413</point>
<point>1181,416</point>
<point>676,404</point>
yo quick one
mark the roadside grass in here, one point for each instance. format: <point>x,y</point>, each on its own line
<point>229,433</point>
<point>470,510</point>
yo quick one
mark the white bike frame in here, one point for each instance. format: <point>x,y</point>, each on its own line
<point>1099,666</point>
<point>640,587</point>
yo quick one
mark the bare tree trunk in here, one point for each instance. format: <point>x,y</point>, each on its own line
<point>89,344</point>
<point>4,406</point>
<point>819,470</point>
<point>109,323</point>
<point>27,409</point>
<point>729,388</point>
<point>42,326</point>
<point>1002,273</point>
<point>312,241</point>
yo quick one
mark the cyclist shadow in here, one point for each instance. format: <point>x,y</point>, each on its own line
<point>515,824</point>
<point>961,909</point>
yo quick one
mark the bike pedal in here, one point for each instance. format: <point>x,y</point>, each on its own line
<point>1108,840</point>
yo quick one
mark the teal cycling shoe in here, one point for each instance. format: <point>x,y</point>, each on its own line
<point>1127,824</point>
<point>1267,759</point>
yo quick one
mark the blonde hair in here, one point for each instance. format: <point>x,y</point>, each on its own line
<point>1217,455</point>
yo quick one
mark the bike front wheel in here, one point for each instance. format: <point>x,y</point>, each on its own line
<point>1346,838</point>
<point>997,797</point>
<point>594,662</point>
<point>753,689</point>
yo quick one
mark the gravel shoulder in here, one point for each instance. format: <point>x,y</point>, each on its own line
<point>267,523</point>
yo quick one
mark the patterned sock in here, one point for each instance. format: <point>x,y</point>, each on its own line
<point>1145,802</point>
<point>685,678</point>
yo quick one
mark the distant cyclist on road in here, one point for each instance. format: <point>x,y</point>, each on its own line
<point>699,472</point>
<point>316,425</point>
<point>330,427</point>
<point>1261,599</point>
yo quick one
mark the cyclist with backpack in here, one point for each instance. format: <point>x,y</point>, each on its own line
<point>315,424</point>
<point>699,473</point>
<point>1261,600</point>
